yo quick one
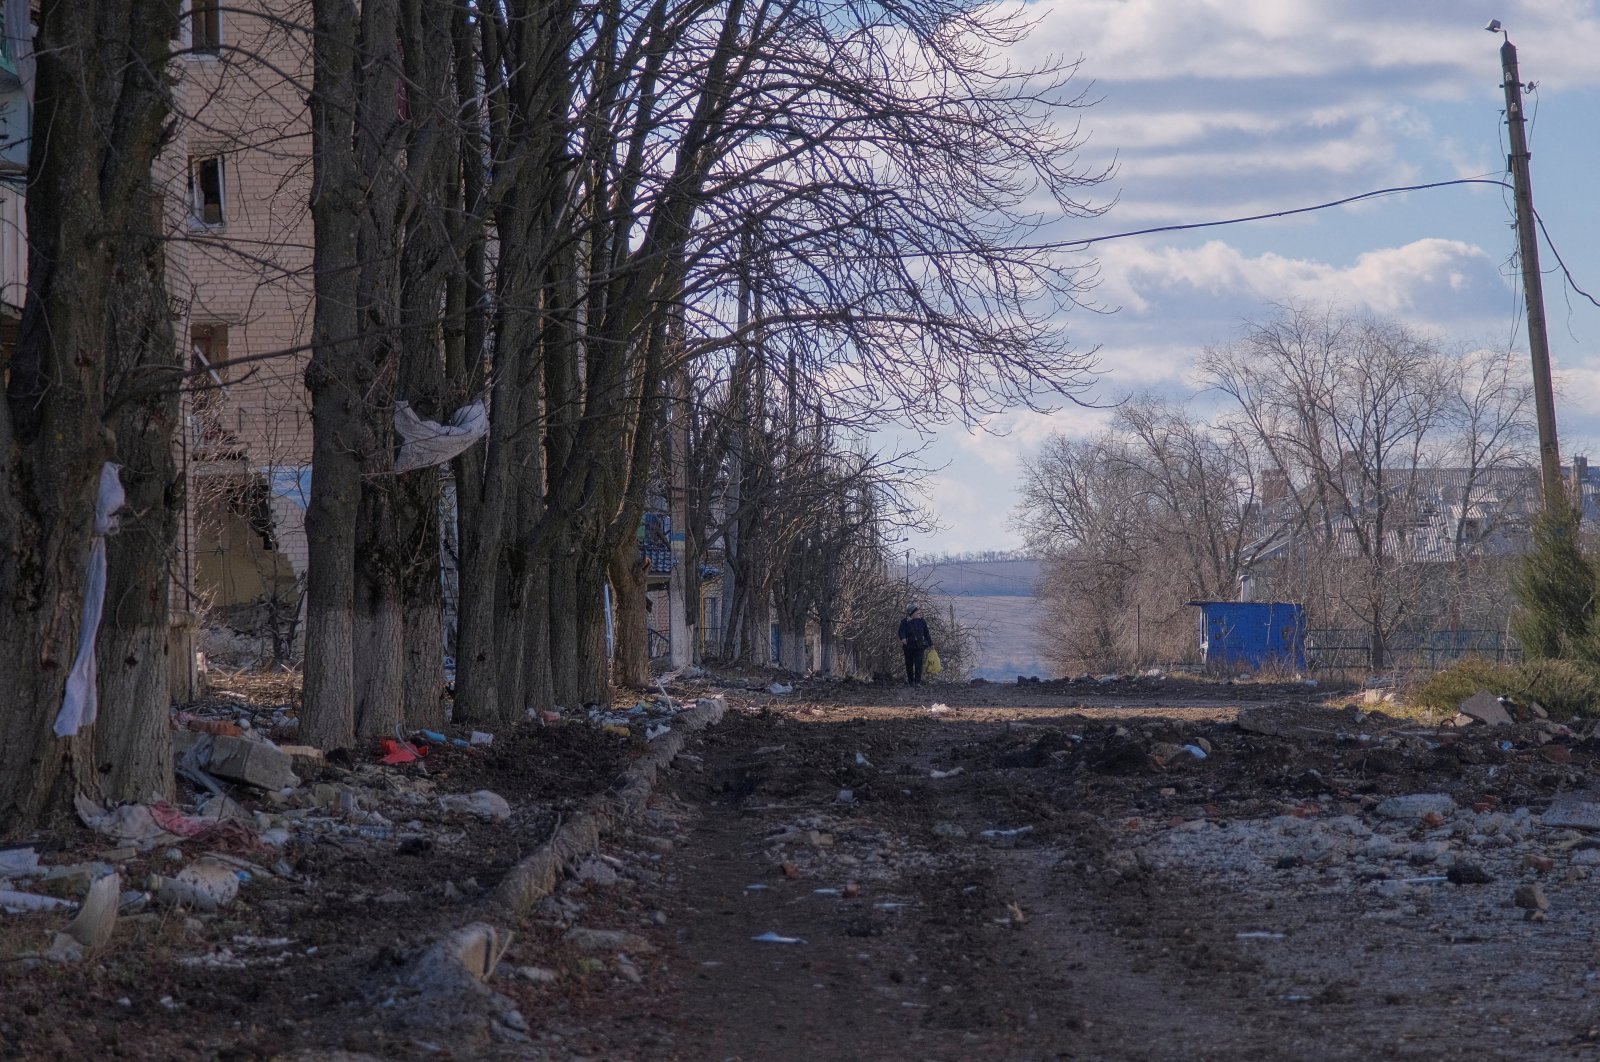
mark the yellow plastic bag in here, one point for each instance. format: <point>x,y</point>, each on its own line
<point>931,664</point>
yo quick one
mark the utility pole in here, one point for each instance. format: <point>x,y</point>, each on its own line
<point>1532,283</point>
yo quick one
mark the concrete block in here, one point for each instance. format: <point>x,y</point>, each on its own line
<point>240,759</point>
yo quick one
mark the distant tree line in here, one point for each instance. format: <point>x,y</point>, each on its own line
<point>1357,466</point>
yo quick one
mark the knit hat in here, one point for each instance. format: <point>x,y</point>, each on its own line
<point>911,608</point>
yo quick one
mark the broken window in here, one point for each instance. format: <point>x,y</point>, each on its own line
<point>206,189</point>
<point>210,437</point>
<point>205,27</point>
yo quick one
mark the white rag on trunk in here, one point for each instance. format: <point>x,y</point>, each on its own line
<point>425,443</point>
<point>82,701</point>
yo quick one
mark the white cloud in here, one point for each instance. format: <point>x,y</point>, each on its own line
<point>1411,281</point>
<point>1440,42</point>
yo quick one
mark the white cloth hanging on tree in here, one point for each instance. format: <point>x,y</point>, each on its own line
<point>81,703</point>
<point>425,443</point>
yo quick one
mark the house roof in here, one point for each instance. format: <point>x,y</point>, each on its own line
<point>1433,516</point>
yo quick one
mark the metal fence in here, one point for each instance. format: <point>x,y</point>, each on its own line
<point>1333,648</point>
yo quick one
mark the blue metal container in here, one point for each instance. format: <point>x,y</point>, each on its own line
<point>1252,634</point>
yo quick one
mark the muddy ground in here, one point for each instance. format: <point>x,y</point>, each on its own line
<point>1150,869</point>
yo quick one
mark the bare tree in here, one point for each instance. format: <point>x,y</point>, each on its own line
<point>1347,407</point>
<point>1355,417</point>
<point>82,357</point>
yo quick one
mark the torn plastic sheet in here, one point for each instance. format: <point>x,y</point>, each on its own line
<point>81,703</point>
<point>425,443</point>
<point>292,483</point>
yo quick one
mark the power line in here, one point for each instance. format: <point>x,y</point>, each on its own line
<point>1290,212</point>
<point>1084,244</point>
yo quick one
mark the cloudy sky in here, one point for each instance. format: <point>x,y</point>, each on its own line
<point>1220,108</point>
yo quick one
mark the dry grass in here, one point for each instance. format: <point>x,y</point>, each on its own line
<point>1565,688</point>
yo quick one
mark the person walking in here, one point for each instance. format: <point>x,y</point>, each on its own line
<point>915,641</point>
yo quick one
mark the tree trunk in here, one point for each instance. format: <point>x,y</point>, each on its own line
<point>537,683</point>
<point>432,171</point>
<point>422,646</point>
<point>594,685</point>
<point>631,663</point>
<point>100,66</point>
<point>379,630</point>
<point>328,719</point>
<point>133,742</point>
<point>563,598</point>
<point>511,643</point>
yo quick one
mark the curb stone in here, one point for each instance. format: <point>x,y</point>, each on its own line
<point>446,986</point>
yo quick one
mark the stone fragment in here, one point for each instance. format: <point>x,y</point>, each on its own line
<point>1416,806</point>
<point>608,940</point>
<point>538,975</point>
<point>597,872</point>
<point>1572,814</point>
<point>1465,873</point>
<point>1486,708</point>
<point>1531,897</point>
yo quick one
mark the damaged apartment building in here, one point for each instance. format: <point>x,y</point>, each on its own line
<point>235,180</point>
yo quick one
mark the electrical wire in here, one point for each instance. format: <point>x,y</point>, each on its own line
<point>1565,272</point>
<point>1268,216</point>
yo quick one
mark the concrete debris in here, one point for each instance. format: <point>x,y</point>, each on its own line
<point>597,872</point>
<point>90,932</point>
<point>1573,814</point>
<point>16,902</point>
<point>608,940</point>
<point>476,949</point>
<point>485,805</point>
<point>1531,897</point>
<point>1486,708</point>
<point>20,863</point>
<point>1416,806</point>
<point>538,975</point>
<point>247,760</point>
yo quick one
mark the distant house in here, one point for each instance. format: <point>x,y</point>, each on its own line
<point>1432,516</point>
<point>1406,565</point>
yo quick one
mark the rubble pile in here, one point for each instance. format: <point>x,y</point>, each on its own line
<point>259,823</point>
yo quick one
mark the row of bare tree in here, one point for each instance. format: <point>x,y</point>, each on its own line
<point>773,224</point>
<point>1348,463</point>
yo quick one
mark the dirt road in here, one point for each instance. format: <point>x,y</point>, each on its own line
<point>1030,881</point>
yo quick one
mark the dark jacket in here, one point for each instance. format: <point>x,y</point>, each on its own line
<point>914,632</point>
